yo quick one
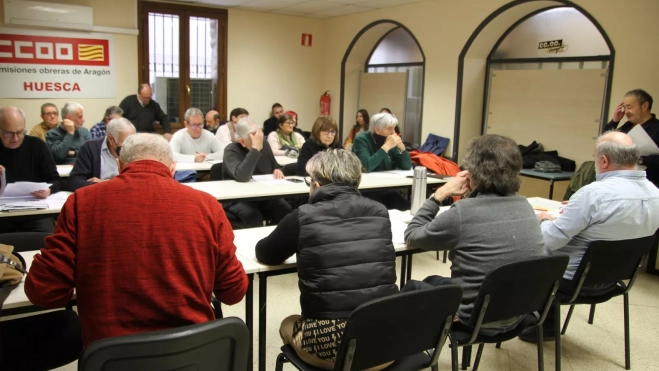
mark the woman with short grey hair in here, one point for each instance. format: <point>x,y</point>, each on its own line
<point>381,149</point>
<point>345,256</point>
<point>491,227</point>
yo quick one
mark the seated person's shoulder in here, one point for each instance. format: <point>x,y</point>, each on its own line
<point>34,142</point>
<point>370,207</point>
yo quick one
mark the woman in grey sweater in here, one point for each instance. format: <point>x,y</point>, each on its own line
<point>491,227</point>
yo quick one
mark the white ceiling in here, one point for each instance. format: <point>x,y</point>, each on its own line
<point>306,8</point>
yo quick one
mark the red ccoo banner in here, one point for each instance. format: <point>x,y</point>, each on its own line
<point>33,49</point>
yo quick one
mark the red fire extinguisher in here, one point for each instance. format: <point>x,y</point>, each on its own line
<point>325,101</point>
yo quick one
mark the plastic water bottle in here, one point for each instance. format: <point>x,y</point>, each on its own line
<point>418,188</point>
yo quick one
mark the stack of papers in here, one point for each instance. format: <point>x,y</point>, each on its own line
<point>17,197</point>
<point>22,205</point>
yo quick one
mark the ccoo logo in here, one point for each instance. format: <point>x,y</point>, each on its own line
<point>31,49</point>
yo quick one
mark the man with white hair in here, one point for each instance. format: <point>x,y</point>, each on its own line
<point>66,139</point>
<point>25,159</point>
<point>137,263</point>
<point>381,149</point>
<point>251,155</point>
<point>97,160</point>
<point>621,204</point>
<point>194,144</point>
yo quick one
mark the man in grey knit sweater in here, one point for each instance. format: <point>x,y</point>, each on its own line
<point>490,228</point>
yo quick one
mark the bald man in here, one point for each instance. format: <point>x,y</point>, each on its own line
<point>142,111</point>
<point>24,158</point>
<point>212,121</point>
<point>622,204</point>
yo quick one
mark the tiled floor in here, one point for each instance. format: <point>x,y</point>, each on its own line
<point>597,347</point>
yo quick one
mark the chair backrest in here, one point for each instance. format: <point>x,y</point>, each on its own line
<point>24,241</point>
<point>215,345</point>
<point>379,331</point>
<point>518,289</point>
<point>289,169</point>
<point>612,261</point>
<point>216,172</point>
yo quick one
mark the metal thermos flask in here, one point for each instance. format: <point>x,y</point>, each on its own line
<point>418,188</point>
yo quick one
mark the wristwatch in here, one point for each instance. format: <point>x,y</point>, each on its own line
<point>436,201</point>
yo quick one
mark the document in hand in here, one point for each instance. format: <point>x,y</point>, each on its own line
<point>23,189</point>
<point>643,141</point>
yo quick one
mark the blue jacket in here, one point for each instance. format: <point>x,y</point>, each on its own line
<point>88,164</point>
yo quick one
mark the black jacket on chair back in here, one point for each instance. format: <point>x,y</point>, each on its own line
<point>345,252</point>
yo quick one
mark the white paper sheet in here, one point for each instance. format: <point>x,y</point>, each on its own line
<point>57,200</point>
<point>643,141</point>
<point>23,189</point>
<point>398,231</point>
<point>269,179</point>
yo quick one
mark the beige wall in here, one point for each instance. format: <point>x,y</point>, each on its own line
<point>442,28</point>
<point>268,64</point>
<point>116,14</point>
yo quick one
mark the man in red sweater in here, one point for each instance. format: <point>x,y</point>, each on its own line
<point>142,251</point>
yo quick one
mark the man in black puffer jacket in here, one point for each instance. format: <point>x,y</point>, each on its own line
<point>345,256</point>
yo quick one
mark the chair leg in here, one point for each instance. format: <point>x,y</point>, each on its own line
<point>479,353</point>
<point>437,255</point>
<point>498,345</point>
<point>627,346</point>
<point>591,317</point>
<point>557,328</point>
<point>466,357</point>
<point>541,355</point>
<point>567,319</point>
<point>445,255</point>
<point>281,358</point>
<point>454,356</point>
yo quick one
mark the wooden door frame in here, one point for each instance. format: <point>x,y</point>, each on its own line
<point>184,12</point>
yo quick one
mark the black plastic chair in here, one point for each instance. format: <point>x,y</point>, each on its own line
<point>525,288</point>
<point>219,345</point>
<point>216,172</point>
<point>379,331</point>
<point>24,241</point>
<point>55,336</point>
<point>605,262</point>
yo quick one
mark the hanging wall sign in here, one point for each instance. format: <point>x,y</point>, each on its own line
<point>553,46</point>
<point>47,64</point>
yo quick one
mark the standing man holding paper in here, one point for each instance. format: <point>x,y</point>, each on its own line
<point>637,107</point>
<point>25,159</point>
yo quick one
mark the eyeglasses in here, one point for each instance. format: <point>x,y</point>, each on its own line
<point>50,113</point>
<point>196,126</point>
<point>329,132</point>
<point>289,123</point>
<point>10,134</point>
<point>308,181</point>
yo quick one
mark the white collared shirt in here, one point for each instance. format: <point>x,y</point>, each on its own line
<point>109,168</point>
